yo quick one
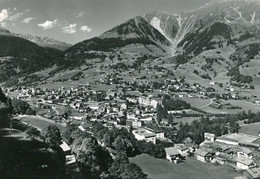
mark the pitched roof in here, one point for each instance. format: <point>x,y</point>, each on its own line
<point>244,161</point>
<point>64,146</point>
<point>147,135</point>
<point>181,147</point>
<point>246,150</point>
<point>201,152</point>
<point>171,151</point>
<point>142,131</point>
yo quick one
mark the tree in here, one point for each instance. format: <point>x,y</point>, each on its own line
<point>93,158</point>
<point>68,134</point>
<point>32,131</point>
<point>21,107</point>
<point>159,113</point>
<point>122,169</point>
<point>2,96</point>
<point>29,111</point>
<point>52,136</point>
<point>123,145</point>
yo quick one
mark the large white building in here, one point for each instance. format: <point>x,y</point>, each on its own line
<point>142,134</point>
<point>149,101</point>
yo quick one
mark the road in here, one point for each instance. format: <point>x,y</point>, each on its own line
<point>211,101</point>
<point>60,110</point>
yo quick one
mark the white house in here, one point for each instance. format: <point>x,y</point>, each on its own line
<point>245,163</point>
<point>141,134</point>
<point>149,101</point>
<point>182,149</point>
<point>137,123</point>
<point>159,133</point>
<point>155,102</point>
<point>202,155</point>
<point>65,147</point>
<point>209,137</point>
<point>245,153</point>
<point>172,154</point>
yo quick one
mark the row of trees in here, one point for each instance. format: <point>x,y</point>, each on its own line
<point>196,130</point>
<point>169,104</point>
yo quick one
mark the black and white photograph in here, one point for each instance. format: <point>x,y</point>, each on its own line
<point>130,89</point>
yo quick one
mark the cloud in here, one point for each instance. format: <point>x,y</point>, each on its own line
<point>15,16</point>
<point>79,14</point>
<point>10,15</point>
<point>27,19</point>
<point>48,24</point>
<point>69,29</point>
<point>3,15</point>
<point>3,24</point>
<point>85,28</point>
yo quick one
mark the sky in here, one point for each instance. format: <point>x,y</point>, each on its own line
<point>73,21</point>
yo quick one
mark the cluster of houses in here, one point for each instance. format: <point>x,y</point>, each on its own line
<point>128,108</point>
<point>235,150</point>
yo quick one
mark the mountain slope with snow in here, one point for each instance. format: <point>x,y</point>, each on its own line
<point>45,41</point>
<point>242,16</point>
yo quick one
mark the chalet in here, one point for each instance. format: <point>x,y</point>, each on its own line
<point>136,123</point>
<point>244,163</point>
<point>244,153</point>
<point>182,149</point>
<point>172,154</point>
<point>209,137</point>
<point>141,134</point>
<point>224,159</point>
<point>202,155</point>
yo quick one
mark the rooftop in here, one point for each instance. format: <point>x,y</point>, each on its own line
<point>171,151</point>
<point>201,152</point>
<point>239,138</point>
<point>244,161</point>
<point>142,131</point>
<point>64,146</point>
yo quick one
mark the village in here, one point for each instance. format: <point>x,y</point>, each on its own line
<point>138,112</point>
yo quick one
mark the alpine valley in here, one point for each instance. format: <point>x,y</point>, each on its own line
<point>162,95</point>
<point>219,41</point>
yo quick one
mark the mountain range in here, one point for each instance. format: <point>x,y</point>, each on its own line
<point>213,39</point>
